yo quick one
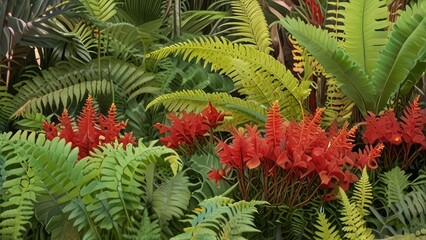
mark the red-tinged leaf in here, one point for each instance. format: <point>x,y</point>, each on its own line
<point>50,129</point>
<point>212,117</point>
<point>67,132</point>
<point>87,135</point>
<point>413,124</point>
<point>110,129</point>
<point>275,128</point>
<point>128,138</point>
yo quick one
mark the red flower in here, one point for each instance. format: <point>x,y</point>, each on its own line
<point>212,116</point>
<point>50,129</point>
<point>217,175</point>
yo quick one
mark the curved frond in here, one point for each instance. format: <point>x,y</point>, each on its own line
<point>70,83</point>
<point>338,107</point>
<point>249,25</point>
<point>326,230</point>
<point>411,210</point>
<point>365,22</point>
<point>351,78</point>
<point>334,20</point>
<point>6,108</point>
<point>196,100</point>
<point>256,74</point>
<point>405,47</point>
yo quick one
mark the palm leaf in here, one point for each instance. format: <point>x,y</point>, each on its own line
<point>351,78</point>
<point>405,47</point>
<point>259,76</point>
<point>196,100</point>
<point>248,25</point>
<point>365,22</point>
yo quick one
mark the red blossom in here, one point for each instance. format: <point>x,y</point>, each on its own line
<point>212,117</point>
<point>92,129</point>
<point>217,175</point>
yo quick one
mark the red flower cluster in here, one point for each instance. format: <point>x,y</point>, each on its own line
<point>302,150</point>
<point>386,128</point>
<point>189,128</point>
<point>316,14</point>
<point>92,129</point>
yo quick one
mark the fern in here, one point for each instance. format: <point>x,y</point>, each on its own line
<point>145,229</point>
<point>219,217</point>
<point>70,83</point>
<point>257,75</point>
<point>363,194</point>
<point>19,185</point>
<point>100,9</point>
<point>6,108</point>
<point>334,21</point>
<point>397,182</point>
<point>338,106</point>
<point>248,25</point>
<point>326,230</point>
<point>196,100</point>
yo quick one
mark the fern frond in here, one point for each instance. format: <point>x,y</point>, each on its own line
<point>397,182</point>
<point>19,185</point>
<point>100,9</point>
<point>250,25</point>
<point>326,230</point>
<point>411,210</point>
<point>338,107</point>
<point>258,75</point>
<point>364,23</point>
<point>355,225</point>
<point>219,217</point>
<point>405,47</point>
<point>197,100</point>
<point>6,108</point>
<point>334,20</point>
<point>363,194</point>
<point>71,82</point>
<point>145,229</point>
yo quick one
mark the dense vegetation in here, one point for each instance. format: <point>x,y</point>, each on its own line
<point>213,119</point>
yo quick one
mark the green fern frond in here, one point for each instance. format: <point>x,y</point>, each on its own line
<point>100,9</point>
<point>250,25</point>
<point>354,223</point>
<point>196,100</point>
<point>326,230</point>
<point>145,229</point>
<point>256,74</point>
<point>364,23</point>
<point>171,198</point>
<point>219,217</point>
<point>363,194</point>
<point>6,108</point>
<point>351,78</point>
<point>338,107</point>
<point>334,20</point>
<point>19,185</point>
<point>405,47</point>
<point>71,82</point>
<point>397,182</point>
<point>411,210</point>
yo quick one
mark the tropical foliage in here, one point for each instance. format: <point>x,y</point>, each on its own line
<point>213,119</point>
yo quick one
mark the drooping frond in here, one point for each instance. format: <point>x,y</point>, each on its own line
<point>334,20</point>
<point>256,74</point>
<point>363,194</point>
<point>405,47</point>
<point>100,9</point>
<point>219,217</point>
<point>70,83</point>
<point>365,22</point>
<point>196,100</point>
<point>351,78</point>
<point>249,25</point>
<point>355,225</point>
<point>326,230</point>
<point>397,182</point>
